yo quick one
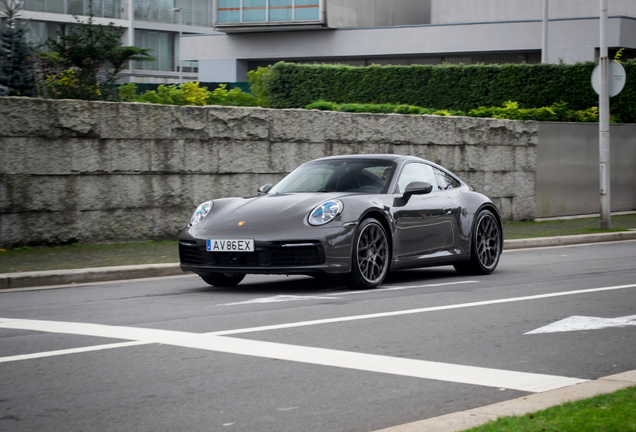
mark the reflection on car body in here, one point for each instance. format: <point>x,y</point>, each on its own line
<point>355,217</point>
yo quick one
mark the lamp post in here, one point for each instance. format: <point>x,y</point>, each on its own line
<point>544,39</point>
<point>604,120</point>
<point>178,9</point>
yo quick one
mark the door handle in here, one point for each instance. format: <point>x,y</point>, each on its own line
<point>447,210</point>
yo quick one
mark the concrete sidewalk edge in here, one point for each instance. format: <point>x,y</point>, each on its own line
<point>463,420</point>
<point>97,274</point>
<point>100,274</point>
<point>569,240</point>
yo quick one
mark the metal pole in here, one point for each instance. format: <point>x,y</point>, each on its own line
<point>544,41</point>
<point>180,34</point>
<point>180,63</point>
<point>604,121</point>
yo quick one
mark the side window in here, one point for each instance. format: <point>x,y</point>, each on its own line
<point>445,181</point>
<point>416,172</point>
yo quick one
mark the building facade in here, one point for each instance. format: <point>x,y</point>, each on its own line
<point>252,33</point>
<point>154,24</point>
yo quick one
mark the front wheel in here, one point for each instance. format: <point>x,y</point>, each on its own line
<point>486,245</point>
<point>370,258</point>
<point>223,279</point>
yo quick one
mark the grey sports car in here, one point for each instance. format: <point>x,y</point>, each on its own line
<point>350,217</point>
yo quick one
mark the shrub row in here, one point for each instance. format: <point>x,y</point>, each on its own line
<point>447,87</point>
<point>510,110</point>
<point>189,93</point>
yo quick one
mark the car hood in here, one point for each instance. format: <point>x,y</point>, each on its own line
<point>267,211</point>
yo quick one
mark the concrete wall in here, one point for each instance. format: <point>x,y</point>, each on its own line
<point>377,13</point>
<point>100,171</point>
<point>568,168</point>
<point>466,11</point>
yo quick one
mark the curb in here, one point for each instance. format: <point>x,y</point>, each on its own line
<point>100,274</point>
<point>568,240</point>
<point>463,420</point>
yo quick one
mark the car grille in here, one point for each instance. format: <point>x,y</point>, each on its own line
<point>271,255</point>
<point>190,254</point>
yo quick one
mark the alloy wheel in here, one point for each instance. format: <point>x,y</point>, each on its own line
<point>373,252</point>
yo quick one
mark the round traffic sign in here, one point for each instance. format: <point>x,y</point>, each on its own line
<point>616,79</point>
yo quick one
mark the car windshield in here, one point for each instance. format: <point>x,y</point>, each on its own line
<point>339,175</point>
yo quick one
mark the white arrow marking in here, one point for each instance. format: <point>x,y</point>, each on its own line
<point>578,323</point>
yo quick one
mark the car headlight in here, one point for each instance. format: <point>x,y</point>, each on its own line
<point>325,212</point>
<point>201,212</point>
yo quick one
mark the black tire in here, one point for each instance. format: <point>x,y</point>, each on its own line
<point>223,279</point>
<point>370,256</point>
<point>486,245</point>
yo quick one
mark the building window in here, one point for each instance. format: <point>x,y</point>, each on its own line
<point>162,46</point>
<point>39,32</point>
<point>248,11</point>
<point>100,8</point>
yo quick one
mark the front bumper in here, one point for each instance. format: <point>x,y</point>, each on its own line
<point>329,254</point>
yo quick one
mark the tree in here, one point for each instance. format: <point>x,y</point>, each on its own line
<point>17,74</point>
<point>87,61</point>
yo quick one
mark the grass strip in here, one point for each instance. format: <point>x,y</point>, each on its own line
<point>86,256</point>
<point>613,412</point>
<point>588,225</point>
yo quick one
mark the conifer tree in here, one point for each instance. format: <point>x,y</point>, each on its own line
<point>17,74</point>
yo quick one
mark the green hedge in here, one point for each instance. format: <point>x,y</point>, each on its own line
<point>449,87</point>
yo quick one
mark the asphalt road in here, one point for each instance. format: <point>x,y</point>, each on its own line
<point>297,354</point>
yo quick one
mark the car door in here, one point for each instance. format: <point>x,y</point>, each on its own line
<point>423,224</point>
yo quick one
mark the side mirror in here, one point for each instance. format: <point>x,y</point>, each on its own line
<point>416,188</point>
<point>263,190</point>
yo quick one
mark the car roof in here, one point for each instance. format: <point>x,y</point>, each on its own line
<point>387,157</point>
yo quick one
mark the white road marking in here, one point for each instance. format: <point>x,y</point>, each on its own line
<point>337,295</point>
<point>69,351</point>
<point>277,299</point>
<point>579,323</point>
<point>415,311</point>
<point>214,341</point>
<point>488,377</point>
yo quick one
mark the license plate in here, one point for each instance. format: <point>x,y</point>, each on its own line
<point>242,245</point>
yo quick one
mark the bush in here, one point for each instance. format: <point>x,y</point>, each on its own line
<point>258,80</point>
<point>189,93</point>
<point>510,110</point>
<point>447,87</point>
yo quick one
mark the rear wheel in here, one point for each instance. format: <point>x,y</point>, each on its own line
<point>370,257</point>
<point>485,247</point>
<point>223,279</point>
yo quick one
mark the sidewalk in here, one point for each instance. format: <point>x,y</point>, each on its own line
<point>463,420</point>
<point>99,274</point>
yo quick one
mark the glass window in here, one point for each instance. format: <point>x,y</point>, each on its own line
<point>35,5</point>
<point>162,46</point>
<point>229,11</point>
<point>306,10</point>
<point>39,32</point>
<point>199,12</point>
<point>338,175</point>
<point>186,10</point>
<point>111,8</point>
<point>254,10</point>
<point>416,172</point>
<point>55,6</point>
<point>280,10</point>
<point>75,7</point>
<point>445,181</point>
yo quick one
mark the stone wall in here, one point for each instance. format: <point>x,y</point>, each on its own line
<point>109,172</point>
